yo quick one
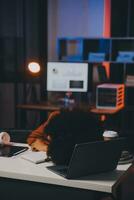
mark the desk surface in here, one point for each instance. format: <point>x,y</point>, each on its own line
<point>51,107</point>
<point>42,106</point>
<point>106,111</point>
<point>18,168</point>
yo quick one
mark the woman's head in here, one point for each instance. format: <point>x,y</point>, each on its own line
<point>68,128</point>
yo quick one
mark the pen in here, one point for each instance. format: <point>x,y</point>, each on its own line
<point>18,152</point>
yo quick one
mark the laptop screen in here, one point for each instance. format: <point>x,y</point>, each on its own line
<point>93,158</point>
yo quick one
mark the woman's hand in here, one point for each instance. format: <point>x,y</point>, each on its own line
<point>39,145</point>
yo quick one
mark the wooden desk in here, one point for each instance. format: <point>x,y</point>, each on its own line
<point>21,178</point>
<point>42,106</point>
<point>49,107</point>
<point>106,111</point>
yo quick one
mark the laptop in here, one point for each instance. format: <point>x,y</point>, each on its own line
<point>91,158</point>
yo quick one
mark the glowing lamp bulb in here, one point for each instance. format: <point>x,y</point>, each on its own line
<point>34,67</point>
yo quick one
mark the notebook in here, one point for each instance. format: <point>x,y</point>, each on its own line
<point>35,157</point>
<point>91,158</point>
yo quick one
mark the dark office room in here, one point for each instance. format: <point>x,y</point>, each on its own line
<point>67,99</point>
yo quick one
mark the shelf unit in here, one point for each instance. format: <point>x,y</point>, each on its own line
<point>79,49</point>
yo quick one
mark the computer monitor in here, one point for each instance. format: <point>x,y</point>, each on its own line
<point>67,77</point>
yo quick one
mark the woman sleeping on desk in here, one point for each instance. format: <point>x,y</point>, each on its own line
<point>62,130</point>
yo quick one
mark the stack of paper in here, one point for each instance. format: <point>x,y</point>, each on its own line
<point>35,157</point>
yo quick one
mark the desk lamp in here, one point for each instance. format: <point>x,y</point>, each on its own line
<point>34,69</point>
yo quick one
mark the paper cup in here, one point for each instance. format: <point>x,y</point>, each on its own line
<point>109,135</point>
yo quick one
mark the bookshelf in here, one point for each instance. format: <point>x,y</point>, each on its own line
<point>120,68</point>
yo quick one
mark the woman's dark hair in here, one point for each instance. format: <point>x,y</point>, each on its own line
<point>69,128</point>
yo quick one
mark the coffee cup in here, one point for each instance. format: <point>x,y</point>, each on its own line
<point>109,135</point>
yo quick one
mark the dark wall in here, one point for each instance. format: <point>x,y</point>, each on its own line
<point>23,35</point>
<point>23,38</point>
<point>122,18</point>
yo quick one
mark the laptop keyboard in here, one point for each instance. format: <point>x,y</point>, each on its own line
<point>58,169</point>
<point>63,170</point>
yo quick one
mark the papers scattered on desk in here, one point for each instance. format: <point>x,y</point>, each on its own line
<point>35,157</point>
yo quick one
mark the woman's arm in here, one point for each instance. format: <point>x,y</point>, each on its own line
<point>36,134</point>
<point>38,139</point>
